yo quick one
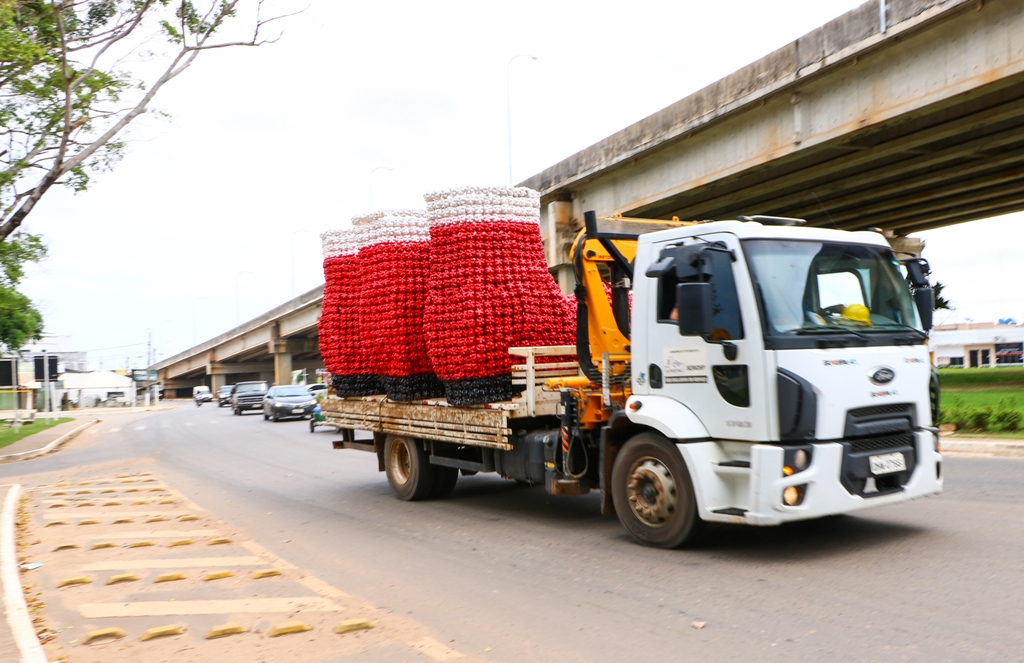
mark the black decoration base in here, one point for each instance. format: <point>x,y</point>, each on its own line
<point>413,387</point>
<point>357,385</point>
<point>476,391</point>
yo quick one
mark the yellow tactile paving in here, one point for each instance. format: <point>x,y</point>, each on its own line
<point>221,607</point>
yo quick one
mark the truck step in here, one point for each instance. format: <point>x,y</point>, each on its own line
<point>358,446</point>
<point>735,463</point>
<point>731,511</point>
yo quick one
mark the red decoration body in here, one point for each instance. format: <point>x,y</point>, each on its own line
<point>489,290</point>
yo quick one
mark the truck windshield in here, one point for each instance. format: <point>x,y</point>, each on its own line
<point>254,386</point>
<point>821,288</point>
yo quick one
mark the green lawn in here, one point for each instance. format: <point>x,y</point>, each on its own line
<point>977,378</point>
<point>8,436</point>
<point>983,397</point>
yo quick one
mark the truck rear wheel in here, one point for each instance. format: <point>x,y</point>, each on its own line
<point>445,479</point>
<point>653,493</point>
<point>409,471</point>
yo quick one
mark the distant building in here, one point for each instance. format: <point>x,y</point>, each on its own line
<point>978,344</point>
<point>68,360</point>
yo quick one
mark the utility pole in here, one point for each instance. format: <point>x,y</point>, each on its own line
<point>46,386</point>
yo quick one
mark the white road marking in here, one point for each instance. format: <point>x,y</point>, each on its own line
<point>221,607</point>
<point>214,422</point>
<point>183,563</point>
<point>115,430</point>
<point>140,428</point>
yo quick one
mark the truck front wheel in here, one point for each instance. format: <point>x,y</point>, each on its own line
<point>653,494</point>
<point>409,471</point>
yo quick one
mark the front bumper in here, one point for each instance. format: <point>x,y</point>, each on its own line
<point>290,410</point>
<point>258,405</point>
<point>753,495</point>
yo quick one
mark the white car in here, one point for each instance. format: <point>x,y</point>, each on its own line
<point>317,389</point>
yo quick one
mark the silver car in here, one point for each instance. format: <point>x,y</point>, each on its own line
<point>288,401</point>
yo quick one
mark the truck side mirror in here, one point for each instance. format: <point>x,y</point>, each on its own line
<point>925,300</point>
<point>693,306</point>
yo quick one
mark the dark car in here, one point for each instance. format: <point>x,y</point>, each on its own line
<point>288,401</point>
<point>248,396</point>
<point>224,395</point>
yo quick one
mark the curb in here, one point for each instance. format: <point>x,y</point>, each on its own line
<point>13,595</point>
<point>25,455</point>
<point>994,448</point>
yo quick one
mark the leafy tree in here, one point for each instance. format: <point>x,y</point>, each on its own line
<point>940,301</point>
<point>19,320</point>
<point>65,98</point>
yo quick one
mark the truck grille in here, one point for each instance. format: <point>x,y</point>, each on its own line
<point>876,410</point>
<point>868,444</point>
<point>249,400</point>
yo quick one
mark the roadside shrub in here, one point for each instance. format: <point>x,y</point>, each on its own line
<point>1006,416</point>
<point>954,412</point>
<point>978,418</point>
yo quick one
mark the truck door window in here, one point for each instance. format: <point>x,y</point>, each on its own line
<point>839,289</point>
<point>728,324</point>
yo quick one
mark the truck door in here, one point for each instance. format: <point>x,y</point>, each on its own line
<point>721,376</point>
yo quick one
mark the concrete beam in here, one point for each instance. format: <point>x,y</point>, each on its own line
<point>846,107</point>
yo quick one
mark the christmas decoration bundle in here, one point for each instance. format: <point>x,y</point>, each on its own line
<point>392,298</point>
<point>489,290</point>
<point>426,304</point>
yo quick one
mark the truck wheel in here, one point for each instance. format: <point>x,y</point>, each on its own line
<point>445,479</point>
<point>409,471</point>
<point>653,494</point>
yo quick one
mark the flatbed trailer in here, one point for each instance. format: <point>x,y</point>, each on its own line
<point>488,425</point>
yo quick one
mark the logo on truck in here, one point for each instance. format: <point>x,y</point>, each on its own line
<point>882,375</point>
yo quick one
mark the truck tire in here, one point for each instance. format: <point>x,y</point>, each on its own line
<point>409,471</point>
<point>445,479</point>
<point>653,493</point>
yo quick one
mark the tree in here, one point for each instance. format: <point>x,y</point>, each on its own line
<point>940,301</point>
<point>65,98</point>
<point>19,320</point>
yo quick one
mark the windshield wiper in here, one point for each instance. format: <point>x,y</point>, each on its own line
<point>829,330</point>
<point>913,335</point>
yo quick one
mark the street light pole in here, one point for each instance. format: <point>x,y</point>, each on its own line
<point>371,182</point>
<point>238,314</point>
<point>508,105</point>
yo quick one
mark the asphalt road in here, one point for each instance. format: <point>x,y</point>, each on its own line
<point>507,567</point>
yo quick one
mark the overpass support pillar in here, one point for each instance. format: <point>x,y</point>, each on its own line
<point>558,232</point>
<point>217,380</point>
<point>282,362</point>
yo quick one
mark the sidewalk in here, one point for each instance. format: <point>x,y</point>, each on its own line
<point>39,441</point>
<point>982,445</point>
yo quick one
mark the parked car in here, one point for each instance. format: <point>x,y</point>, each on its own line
<point>317,389</point>
<point>248,396</point>
<point>288,401</point>
<point>224,395</point>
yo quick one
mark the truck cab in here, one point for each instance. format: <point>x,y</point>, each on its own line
<point>788,365</point>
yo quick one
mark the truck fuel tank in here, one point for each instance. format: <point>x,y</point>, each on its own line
<point>525,461</point>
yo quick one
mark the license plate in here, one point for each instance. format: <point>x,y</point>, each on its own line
<point>888,463</point>
<point>298,410</point>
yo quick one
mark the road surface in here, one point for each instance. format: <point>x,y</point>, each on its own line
<point>506,572</point>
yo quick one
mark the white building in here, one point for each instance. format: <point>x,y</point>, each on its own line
<point>978,344</point>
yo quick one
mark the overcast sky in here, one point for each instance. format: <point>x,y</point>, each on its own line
<point>214,213</point>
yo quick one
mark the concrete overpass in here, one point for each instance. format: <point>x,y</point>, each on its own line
<point>268,347</point>
<point>905,115</point>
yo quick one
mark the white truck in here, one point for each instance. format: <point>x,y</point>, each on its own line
<point>751,372</point>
